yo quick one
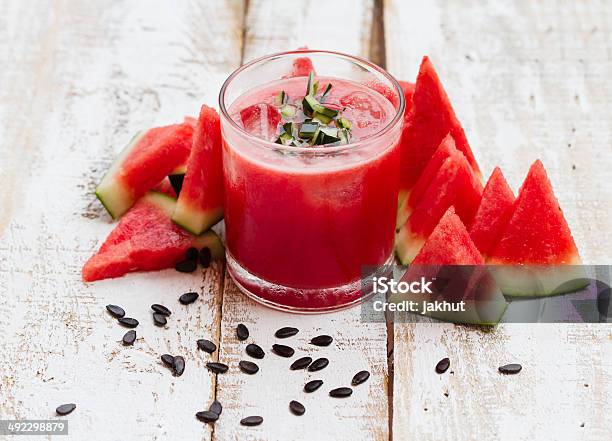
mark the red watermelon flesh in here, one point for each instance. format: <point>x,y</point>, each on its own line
<point>146,160</point>
<point>408,89</point>
<point>537,232</point>
<point>302,67</point>
<point>146,239</point>
<point>165,187</point>
<point>445,150</point>
<point>431,118</point>
<point>449,244</point>
<point>493,212</point>
<point>200,203</point>
<point>453,184</point>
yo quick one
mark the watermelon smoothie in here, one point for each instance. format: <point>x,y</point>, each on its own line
<point>304,213</point>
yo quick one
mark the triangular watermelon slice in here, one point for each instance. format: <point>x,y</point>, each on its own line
<point>493,212</point>
<point>445,150</point>
<point>537,235</point>
<point>146,239</point>
<point>200,202</point>
<point>450,258</point>
<point>431,118</point>
<point>144,162</point>
<point>453,184</point>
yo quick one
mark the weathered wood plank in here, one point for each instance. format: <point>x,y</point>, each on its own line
<point>78,79</point>
<point>273,26</point>
<point>528,80</point>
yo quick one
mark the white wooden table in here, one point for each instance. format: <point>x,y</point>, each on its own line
<point>529,79</point>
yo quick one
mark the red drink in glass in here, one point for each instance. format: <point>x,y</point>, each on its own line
<point>302,222</point>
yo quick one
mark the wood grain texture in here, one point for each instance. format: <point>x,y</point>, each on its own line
<point>273,26</point>
<point>78,79</point>
<point>528,80</point>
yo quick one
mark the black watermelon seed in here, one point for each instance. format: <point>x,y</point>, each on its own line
<point>159,319</point>
<point>318,364</point>
<point>512,368</point>
<point>251,421</point>
<point>286,332</point>
<point>248,367</point>
<point>168,360</point>
<point>129,338</point>
<point>65,409</point>
<point>283,351</point>
<point>217,368</point>
<point>442,365</point>
<point>115,311</point>
<point>255,351</point>
<point>242,332</point>
<point>128,322</point>
<point>297,408</point>
<point>186,266</point>
<point>313,385</point>
<point>160,309</point>
<point>322,340</point>
<point>360,377</point>
<point>300,363</point>
<point>188,297</point>
<point>206,345</point>
<point>216,407</point>
<point>205,257</point>
<point>207,416</point>
<point>341,392</point>
<point>191,254</point>
<point>178,365</point>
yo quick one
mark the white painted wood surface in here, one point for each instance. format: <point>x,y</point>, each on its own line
<point>528,79</point>
<point>77,80</point>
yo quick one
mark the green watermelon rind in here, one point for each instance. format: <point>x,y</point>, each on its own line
<point>195,220</point>
<point>406,248</point>
<point>115,197</point>
<point>540,282</point>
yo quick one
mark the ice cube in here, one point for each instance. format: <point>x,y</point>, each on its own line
<point>261,120</point>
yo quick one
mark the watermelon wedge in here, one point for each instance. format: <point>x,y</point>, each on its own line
<point>431,118</point>
<point>453,185</point>
<point>146,239</point>
<point>445,150</point>
<point>537,235</point>
<point>200,203</point>
<point>450,257</point>
<point>144,162</point>
<point>493,212</point>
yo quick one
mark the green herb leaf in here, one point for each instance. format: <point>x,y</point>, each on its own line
<point>344,136</point>
<point>322,118</point>
<point>327,89</point>
<point>288,111</point>
<point>281,98</point>
<point>343,123</point>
